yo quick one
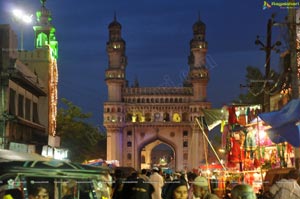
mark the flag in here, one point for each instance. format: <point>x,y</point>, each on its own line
<point>212,117</point>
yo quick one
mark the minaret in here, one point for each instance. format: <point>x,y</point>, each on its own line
<point>45,64</point>
<point>44,31</point>
<point>198,74</point>
<point>115,80</point>
<point>115,73</point>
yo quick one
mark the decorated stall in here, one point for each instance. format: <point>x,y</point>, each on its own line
<point>253,143</point>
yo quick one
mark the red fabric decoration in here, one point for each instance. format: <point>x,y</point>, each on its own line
<point>232,119</point>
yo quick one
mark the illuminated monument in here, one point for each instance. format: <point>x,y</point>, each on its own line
<point>140,119</point>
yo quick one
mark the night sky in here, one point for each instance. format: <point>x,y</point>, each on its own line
<point>157,35</point>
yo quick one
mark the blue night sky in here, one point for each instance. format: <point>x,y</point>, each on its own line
<point>157,35</point>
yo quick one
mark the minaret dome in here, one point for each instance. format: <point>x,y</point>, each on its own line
<point>199,27</point>
<point>115,24</point>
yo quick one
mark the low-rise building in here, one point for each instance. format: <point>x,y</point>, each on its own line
<point>28,86</point>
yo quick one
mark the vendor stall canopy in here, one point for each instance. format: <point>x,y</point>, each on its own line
<point>213,117</point>
<point>285,123</point>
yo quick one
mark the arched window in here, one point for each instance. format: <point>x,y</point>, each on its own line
<point>185,133</point>
<point>42,40</point>
<point>129,144</point>
<point>185,144</point>
<point>166,117</point>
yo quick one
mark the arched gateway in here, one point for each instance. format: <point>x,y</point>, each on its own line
<point>157,153</point>
<point>138,119</point>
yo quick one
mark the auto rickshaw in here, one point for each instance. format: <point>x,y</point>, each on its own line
<point>22,175</point>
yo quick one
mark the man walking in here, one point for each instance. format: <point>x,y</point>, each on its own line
<point>201,189</point>
<point>157,181</point>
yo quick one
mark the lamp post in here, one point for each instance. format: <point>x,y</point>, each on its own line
<point>22,18</point>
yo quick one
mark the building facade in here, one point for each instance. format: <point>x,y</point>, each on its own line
<point>29,88</point>
<point>140,119</point>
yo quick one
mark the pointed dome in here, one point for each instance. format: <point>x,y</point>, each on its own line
<point>115,24</point>
<point>199,27</point>
<point>44,15</point>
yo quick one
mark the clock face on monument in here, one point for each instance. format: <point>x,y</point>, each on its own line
<point>176,117</point>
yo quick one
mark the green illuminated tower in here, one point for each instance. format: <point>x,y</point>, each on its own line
<point>45,57</point>
<point>44,31</point>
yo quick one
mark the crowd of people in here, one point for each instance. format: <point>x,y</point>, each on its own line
<point>156,185</point>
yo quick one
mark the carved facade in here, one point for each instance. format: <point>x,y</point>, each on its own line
<point>138,119</point>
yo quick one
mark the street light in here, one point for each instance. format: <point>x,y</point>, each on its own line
<point>23,18</point>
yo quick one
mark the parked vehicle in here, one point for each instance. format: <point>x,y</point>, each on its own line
<point>21,174</point>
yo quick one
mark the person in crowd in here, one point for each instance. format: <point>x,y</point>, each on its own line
<point>12,194</point>
<point>141,190</point>
<point>157,181</point>
<point>242,191</point>
<point>191,177</point>
<point>178,189</point>
<point>167,181</point>
<point>69,189</point>
<point>183,176</point>
<point>287,187</point>
<point>148,173</point>
<point>168,177</point>
<point>144,176</point>
<point>118,184</point>
<point>201,189</point>
<point>40,191</point>
<point>128,184</point>
<point>7,196</point>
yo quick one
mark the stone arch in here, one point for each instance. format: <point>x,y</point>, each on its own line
<point>152,143</point>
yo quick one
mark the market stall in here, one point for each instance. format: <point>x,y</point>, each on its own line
<point>254,143</point>
<point>251,148</point>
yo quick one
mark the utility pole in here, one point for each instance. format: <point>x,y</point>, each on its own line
<point>268,47</point>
